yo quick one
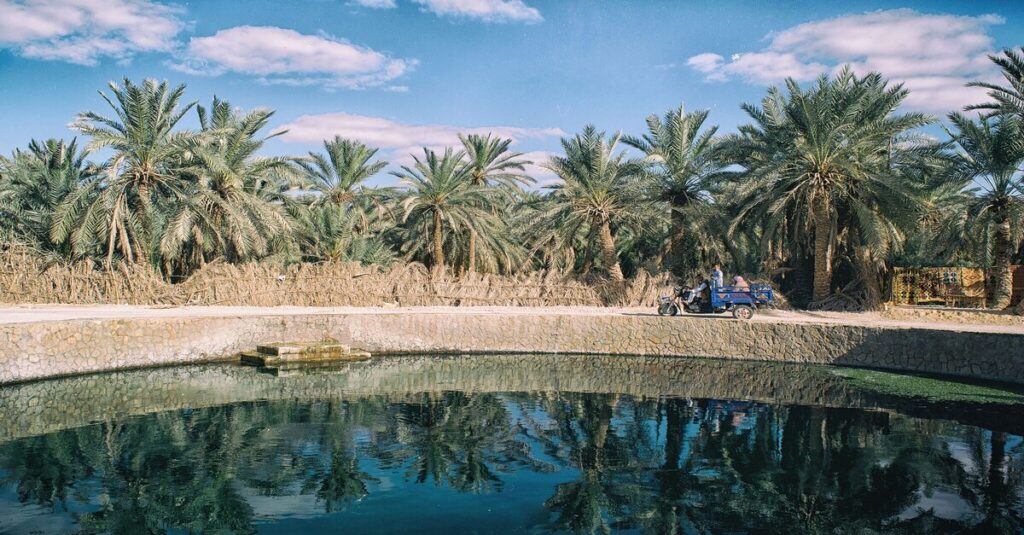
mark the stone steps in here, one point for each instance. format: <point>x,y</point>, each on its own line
<point>287,358</point>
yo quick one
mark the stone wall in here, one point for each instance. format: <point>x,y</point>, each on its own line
<point>45,406</point>
<point>41,407</point>
<point>48,349</point>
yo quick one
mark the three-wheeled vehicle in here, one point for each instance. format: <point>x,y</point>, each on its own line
<point>742,302</point>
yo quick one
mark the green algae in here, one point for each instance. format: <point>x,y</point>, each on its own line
<point>932,389</point>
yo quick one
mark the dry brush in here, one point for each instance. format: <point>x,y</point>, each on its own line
<point>25,277</point>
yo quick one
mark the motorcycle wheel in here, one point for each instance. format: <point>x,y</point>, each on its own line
<point>742,312</point>
<point>668,309</point>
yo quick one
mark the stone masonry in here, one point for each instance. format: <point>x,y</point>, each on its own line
<point>60,348</point>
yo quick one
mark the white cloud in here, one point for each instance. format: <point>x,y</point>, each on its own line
<point>485,10</point>
<point>84,31</point>
<point>279,56</point>
<point>933,55</point>
<point>707,62</point>
<point>377,4</point>
<point>389,134</point>
<point>402,140</point>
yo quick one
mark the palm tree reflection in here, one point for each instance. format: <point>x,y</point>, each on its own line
<point>614,463</point>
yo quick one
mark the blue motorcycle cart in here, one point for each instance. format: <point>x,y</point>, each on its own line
<point>741,302</point>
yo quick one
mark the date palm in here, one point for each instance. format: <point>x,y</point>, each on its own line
<point>327,232</point>
<point>827,159</point>
<point>1007,99</point>
<point>492,164</point>
<point>685,166</point>
<point>34,182</point>
<point>987,162</point>
<point>441,200</point>
<point>145,166</point>
<point>339,176</point>
<point>228,210</point>
<point>600,190</point>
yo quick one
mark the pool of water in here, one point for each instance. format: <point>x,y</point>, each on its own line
<point>503,444</point>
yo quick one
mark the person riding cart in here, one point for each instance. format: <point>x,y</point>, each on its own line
<point>716,279</point>
<point>741,299</point>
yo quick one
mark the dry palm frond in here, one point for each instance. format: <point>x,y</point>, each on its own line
<point>27,277</point>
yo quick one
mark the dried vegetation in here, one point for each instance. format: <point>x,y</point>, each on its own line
<point>25,277</point>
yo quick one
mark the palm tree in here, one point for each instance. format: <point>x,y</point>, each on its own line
<point>225,211</point>
<point>522,217</point>
<point>600,190</point>
<point>685,167</point>
<point>145,165</point>
<point>339,176</point>
<point>442,200</point>
<point>34,182</point>
<point>1009,99</point>
<point>329,232</point>
<point>492,164</point>
<point>828,159</point>
<point>988,162</point>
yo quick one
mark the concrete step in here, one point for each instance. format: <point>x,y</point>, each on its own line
<point>252,358</point>
<point>280,353</point>
<point>301,348</point>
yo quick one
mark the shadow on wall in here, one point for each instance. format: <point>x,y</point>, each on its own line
<point>991,356</point>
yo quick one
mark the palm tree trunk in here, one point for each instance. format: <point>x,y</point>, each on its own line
<point>126,245</point>
<point>111,239</point>
<point>1001,266</point>
<point>995,492</point>
<point>112,232</point>
<point>822,285</point>
<point>867,271</point>
<point>676,249</point>
<point>472,251</point>
<point>438,243</point>
<point>588,262</point>
<point>675,428</point>
<point>608,255</point>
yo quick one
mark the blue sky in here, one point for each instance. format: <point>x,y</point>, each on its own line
<point>406,73</point>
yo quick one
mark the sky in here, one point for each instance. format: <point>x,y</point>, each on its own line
<point>402,74</point>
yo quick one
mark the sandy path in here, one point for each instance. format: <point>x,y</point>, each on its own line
<point>39,313</point>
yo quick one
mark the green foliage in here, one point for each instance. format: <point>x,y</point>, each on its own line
<point>602,192</point>
<point>442,205</point>
<point>32,182</point>
<point>492,164</point>
<point>687,169</point>
<point>987,164</point>
<point>329,232</point>
<point>985,170</point>
<point>829,184</point>
<point>146,167</point>
<point>339,176</point>
<point>826,165</point>
<point>230,202</point>
<point>1007,99</point>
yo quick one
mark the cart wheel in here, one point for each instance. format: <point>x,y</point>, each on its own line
<point>742,312</point>
<point>668,309</point>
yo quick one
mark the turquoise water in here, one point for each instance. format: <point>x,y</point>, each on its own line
<point>517,462</point>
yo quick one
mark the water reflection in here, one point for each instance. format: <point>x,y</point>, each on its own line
<point>516,462</point>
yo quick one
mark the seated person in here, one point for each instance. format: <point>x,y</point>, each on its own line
<point>740,283</point>
<point>698,291</point>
